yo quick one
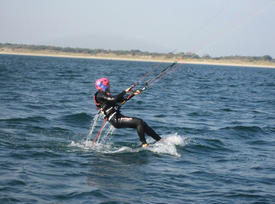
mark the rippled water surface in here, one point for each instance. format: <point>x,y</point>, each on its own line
<point>218,125</point>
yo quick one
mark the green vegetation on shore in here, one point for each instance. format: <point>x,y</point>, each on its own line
<point>134,54</point>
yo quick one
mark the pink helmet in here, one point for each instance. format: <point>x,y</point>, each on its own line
<point>102,84</point>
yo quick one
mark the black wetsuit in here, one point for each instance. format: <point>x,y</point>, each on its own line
<point>108,104</point>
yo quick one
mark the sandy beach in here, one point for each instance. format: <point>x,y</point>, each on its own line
<point>136,58</point>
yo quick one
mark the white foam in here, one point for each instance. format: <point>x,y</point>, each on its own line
<point>167,145</point>
<point>85,145</point>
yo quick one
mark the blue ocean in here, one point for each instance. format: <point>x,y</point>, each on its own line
<point>217,125</point>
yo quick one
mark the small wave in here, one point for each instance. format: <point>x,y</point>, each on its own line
<point>13,182</point>
<point>244,128</point>
<point>209,145</point>
<point>77,118</point>
<point>266,84</point>
<point>160,116</point>
<point>30,119</point>
<point>199,114</point>
<point>226,110</point>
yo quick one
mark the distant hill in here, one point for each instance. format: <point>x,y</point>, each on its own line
<point>8,48</point>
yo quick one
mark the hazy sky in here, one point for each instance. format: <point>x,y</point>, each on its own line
<point>215,27</point>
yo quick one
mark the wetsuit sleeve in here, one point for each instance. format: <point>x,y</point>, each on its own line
<point>111,99</point>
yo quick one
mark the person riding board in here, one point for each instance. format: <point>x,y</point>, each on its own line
<point>109,105</point>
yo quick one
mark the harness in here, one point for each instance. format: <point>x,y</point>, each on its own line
<point>109,112</point>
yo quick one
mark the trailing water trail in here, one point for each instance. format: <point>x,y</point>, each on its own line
<point>167,145</point>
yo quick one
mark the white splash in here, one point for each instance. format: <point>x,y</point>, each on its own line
<point>93,125</point>
<point>106,136</point>
<point>167,145</point>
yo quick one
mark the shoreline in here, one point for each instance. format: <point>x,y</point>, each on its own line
<point>131,58</point>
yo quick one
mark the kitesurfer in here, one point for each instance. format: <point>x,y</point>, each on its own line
<point>109,105</point>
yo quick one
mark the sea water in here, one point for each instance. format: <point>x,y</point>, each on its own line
<point>217,125</point>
